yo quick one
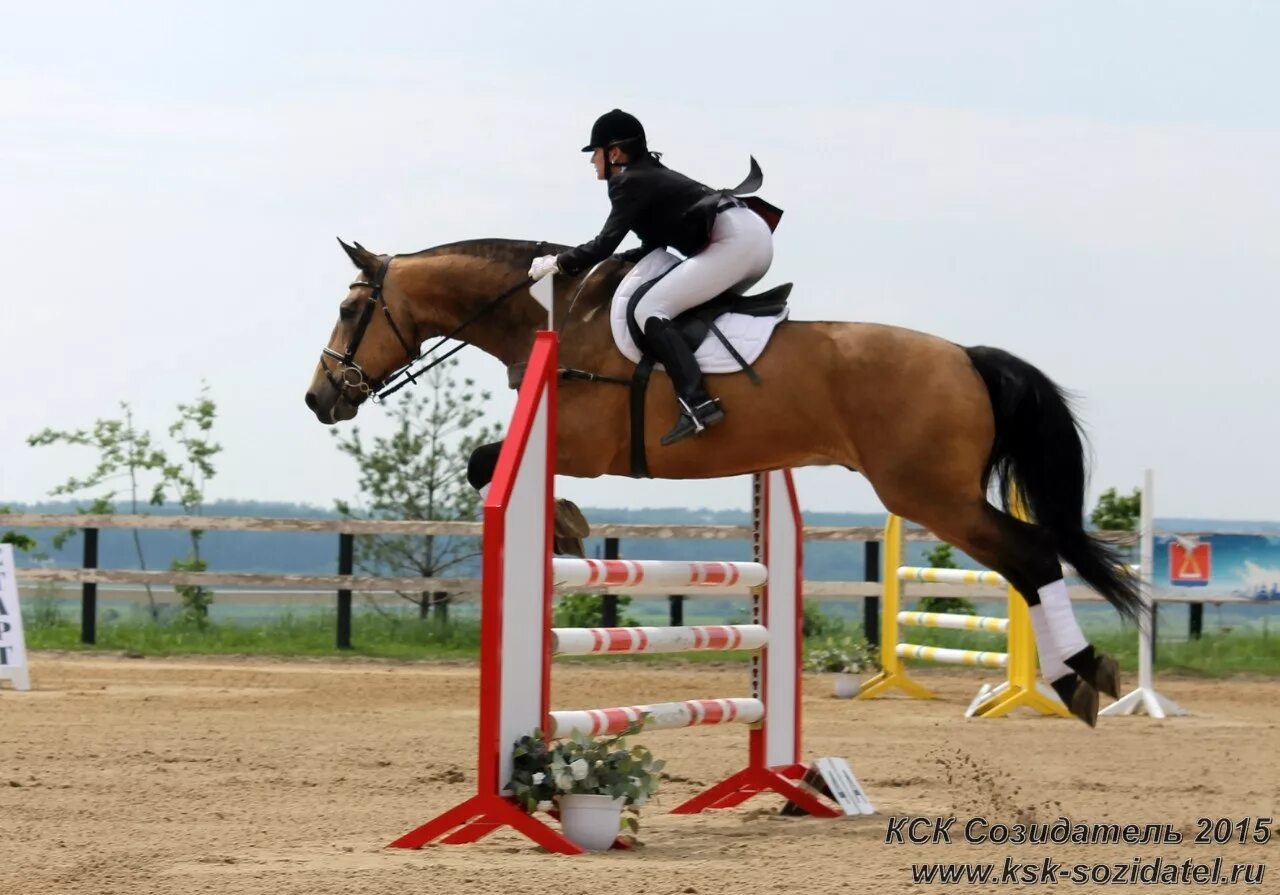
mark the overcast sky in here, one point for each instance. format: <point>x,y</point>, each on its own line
<point>1093,186</point>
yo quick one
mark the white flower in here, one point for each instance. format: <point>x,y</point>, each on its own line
<point>579,769</point>
<point>538,778</point>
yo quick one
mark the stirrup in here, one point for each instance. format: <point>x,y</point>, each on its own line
<point>693,420</point>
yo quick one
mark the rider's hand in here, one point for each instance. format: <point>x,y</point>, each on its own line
<point>543,266</point>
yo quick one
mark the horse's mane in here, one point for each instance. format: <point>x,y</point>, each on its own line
<point>508,251</point>
<point>595,294</point>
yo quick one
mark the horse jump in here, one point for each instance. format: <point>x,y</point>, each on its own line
<point>518,642</point>
<point>1021,688</point>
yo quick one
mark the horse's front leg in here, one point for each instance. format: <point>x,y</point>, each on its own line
<point>571,526</point>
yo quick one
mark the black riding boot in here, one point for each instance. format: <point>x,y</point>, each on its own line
<point>698,410</point>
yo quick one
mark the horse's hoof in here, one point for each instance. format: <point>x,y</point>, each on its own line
<point>1084,704</point>
<point>570,523</point>
<point>1106,676</point>
<point>570,528</point>
<point>569,547</point>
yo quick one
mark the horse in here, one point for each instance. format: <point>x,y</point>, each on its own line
<point>935,427</point>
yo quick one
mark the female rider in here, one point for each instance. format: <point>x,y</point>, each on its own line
<point>727,247</point>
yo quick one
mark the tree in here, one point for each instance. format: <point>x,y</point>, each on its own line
<point>1116,513</point>
<point>125,454</point>
<point>419,472</point>
<point>188,479</point>
<point>940,557</point>
<point>19,541</point>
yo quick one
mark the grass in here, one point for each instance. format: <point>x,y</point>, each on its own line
<point>397,636</point>
<point>1245,649</point>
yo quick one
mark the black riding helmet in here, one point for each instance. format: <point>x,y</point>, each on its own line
<point>614,128</point>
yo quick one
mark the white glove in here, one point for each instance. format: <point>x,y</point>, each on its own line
<point>543,266</point>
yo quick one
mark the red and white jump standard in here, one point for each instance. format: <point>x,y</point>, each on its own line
<point>518,642</point>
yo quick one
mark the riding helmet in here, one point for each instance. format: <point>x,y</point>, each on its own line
<point>615,127</point>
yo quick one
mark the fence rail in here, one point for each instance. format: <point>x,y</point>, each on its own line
<point>345,583</point>
<point>471,529</point>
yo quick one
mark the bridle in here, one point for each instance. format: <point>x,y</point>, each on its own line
<point>352,375</point>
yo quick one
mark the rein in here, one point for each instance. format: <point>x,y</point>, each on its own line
<point>353,376</point>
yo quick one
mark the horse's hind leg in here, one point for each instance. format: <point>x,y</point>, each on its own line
<point>1022,553</point>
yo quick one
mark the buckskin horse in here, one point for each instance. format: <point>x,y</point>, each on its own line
<point>929,423</point>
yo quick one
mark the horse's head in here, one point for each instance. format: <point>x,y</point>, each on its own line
<point>375,335</point>
<point>475,292</point>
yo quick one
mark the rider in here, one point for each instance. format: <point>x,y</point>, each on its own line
<point>727,246</point>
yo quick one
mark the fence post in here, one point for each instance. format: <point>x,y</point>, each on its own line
<point>609,602</point>
<point>677,609</point>
<point>1154,629</point>
<point>871,605</point>
<point>346,562</point>
<point>89,590</point>
<point>1197,621</point>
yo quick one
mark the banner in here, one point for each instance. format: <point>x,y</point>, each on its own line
<point>13,644</point>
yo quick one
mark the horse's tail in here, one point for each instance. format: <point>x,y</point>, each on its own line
<point>1039,454</point>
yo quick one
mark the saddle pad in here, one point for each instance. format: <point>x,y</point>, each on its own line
<point>748,335</point>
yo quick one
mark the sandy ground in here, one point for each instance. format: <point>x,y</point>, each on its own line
<point>253,776</point>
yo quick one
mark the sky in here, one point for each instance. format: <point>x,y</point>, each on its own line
<point>1093,186</point>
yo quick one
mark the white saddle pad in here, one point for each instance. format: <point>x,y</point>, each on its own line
<point>748,335</point>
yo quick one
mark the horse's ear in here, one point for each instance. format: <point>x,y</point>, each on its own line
<point>361,257</point>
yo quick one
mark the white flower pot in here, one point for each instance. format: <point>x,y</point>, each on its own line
<point>591,821</point>
<point>845,684</point>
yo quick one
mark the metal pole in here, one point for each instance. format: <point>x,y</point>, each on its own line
<point>871,605</point>
<point>1197,621</point>
<point>1155,629</point>
<point>346,563</point>
<point>609,602</point>
<point>89,590</point>
<point>1146,566</point>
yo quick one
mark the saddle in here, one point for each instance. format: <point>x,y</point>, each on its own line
<point>695,324</point>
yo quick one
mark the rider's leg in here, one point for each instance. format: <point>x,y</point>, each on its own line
<point>739,254</point>
<point>698,409</point>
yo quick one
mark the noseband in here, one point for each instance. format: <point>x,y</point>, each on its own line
<point>352,375</point>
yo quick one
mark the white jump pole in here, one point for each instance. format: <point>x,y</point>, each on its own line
<point>1145,698</point>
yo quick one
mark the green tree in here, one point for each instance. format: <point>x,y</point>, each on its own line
<point>418,472</point>
<point>1117,513</point>
<point>126,456</point>
<point>19,541</point>
<point>187,479</point>
<point>942,557</point>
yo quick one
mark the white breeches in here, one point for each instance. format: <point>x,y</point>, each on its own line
<point>738,255</point>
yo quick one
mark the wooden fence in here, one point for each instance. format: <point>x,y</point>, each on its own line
<point>345,582</point>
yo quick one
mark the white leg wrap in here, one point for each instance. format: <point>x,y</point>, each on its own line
<point>1062,624</point>
<point>1051,665</point>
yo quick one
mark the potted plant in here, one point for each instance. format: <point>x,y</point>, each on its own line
<point>590,781</point>
<point>844,658</point>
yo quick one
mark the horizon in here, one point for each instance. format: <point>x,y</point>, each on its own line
<point>1262,525</point>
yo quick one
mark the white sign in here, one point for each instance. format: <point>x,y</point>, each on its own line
<point>13,644</point>
<point>844,787</point>
<point>544,293</point>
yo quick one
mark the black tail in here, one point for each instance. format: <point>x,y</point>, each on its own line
<point>1039,454</point>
